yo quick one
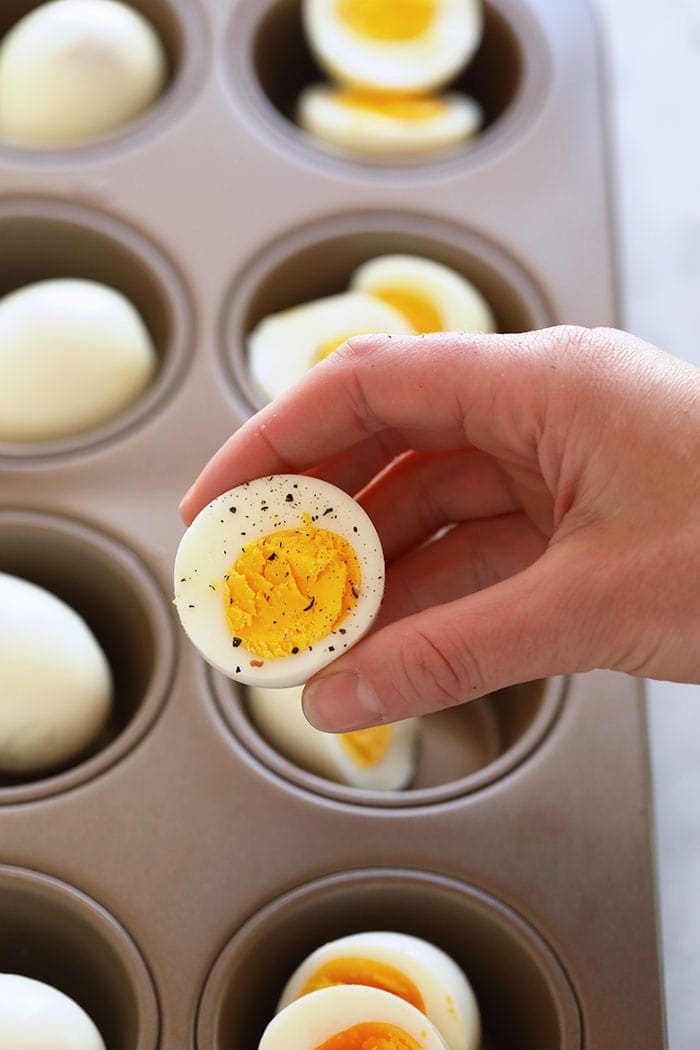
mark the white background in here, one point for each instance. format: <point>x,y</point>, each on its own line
<point>653,57</point>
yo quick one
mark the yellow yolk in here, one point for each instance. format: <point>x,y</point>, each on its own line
<point>372,1035</point>
<point>326,348</point>
<point>290,589</point>
<point>387,19</point>
<point>367,972</point>
<point>418,310</point>
<point>409,108</point>
<point>367,747</point>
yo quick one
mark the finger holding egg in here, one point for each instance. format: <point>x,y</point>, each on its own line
<point>278,577</point>
<point>350,1018</point>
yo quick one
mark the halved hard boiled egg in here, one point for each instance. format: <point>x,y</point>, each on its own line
<point>277,578</point>
<point>432,297</point>
<point>399,46</point>
<point>284,346</point>
<point>407,967</point>
<point>382,758</point>
<point>383,125</point>
<point>350,1018</point>
<point>75,70</point>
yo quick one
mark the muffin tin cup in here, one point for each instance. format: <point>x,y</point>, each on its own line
<point>461,751</point>
<point>44,239</point>
<point>181,28</point>
<point>320,259</point>
<point>525,847</point>
<point>53,933</point>
<point>526,999</point>
<point>268,63</point>
<point>116,596</point>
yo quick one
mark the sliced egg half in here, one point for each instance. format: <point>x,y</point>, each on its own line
<point>382,758</point>
<point>277,578</point>
<point>383,125</point>
<point>433,297</point>
<point>405,966</point>
<point>284,346</point>
<point>400,46</point>
<point>350,1018</point>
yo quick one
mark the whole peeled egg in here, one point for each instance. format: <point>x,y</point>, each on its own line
<point>350,1018</point>
<point>73,354</point>
<point>405,966</point>
<point>404,47</point>
<point>381,758</point>
<point>36,1016</point>
<point>72,71</point>
<point>278,577</point>
<point>55,682</point>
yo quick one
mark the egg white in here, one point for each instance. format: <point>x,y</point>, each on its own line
<point>309,1022</point>
<point>73,354</point>
<point>279,718</point>
<point>283,346</point>
<point>407,66</point>
<point>55,682</point>
<point>216,537</point>
<point>460,305</point>
<point>75,70</point>
<point>34,1016</point>
<point>449,1000</point>
<point>363,131</point>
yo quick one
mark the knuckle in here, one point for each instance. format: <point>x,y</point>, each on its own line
<point>432,676</point>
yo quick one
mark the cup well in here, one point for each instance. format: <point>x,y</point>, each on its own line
<point>320,260</point>
<point>283,65</point>
<point>45,240</point>
<point>53,933</point>
<point>524,995</point>
<point>114,594</point>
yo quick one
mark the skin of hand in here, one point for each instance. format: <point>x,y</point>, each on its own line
<point>537,497</point>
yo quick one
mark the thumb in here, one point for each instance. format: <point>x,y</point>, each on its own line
<point>541,622</point>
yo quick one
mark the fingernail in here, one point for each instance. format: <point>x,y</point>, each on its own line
<point>185,499</point>
<point>341,702</point>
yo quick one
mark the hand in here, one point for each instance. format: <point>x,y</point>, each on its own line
<point>537,497</point>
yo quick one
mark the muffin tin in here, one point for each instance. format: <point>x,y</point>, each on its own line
<point>172,878</point>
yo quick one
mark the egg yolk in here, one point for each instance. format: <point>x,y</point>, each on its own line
<point>418,310</point>
<point>367,972</point>
<point>409,108</point>
<point>290,589</point>
<point>372,1035</point>
<point>367,747</point>
<point>388,19</point>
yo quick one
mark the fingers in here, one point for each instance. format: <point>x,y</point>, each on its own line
<point>353,468</point>
<point>443,391</point>
<point>537,623</point>
<point>468,558</point>
<point>422,492</point>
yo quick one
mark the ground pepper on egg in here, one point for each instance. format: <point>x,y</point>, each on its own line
<point>290,589</point>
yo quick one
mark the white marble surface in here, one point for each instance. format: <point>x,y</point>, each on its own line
<point>654,61</point>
